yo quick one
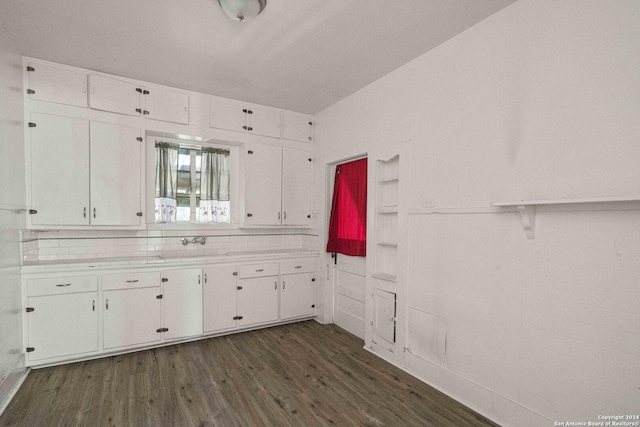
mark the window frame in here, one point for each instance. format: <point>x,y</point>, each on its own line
<point>235,197</point>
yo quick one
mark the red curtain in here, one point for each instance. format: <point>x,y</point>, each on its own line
<point>348,223</point>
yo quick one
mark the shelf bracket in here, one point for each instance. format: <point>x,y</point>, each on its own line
<point>528,218</point>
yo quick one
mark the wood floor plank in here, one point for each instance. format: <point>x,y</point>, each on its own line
<point>302,374</point>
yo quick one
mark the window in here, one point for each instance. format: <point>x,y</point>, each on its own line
<point>192,183</point>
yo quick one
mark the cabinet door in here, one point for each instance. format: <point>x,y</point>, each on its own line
<point>219,297</point>
<point>116,174</point>
<point>182,303</point>
<point>296,128</point>
<point>62,325</point>
<point>130,317</point>
<point>167,105</point>
<point>227,115</point>
<point>296,187</point>
<point>59,170</point>
<point>257,300</point>
<point>117,96</point>
<point>384,315</point>
<point>263,185</point>
<point>264,122</point>
<point>59,85</point>
<point>298,295</point>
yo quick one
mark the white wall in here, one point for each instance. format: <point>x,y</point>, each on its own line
<point>12,184</point>
<point>539,101</point>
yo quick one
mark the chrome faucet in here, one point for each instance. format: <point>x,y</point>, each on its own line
<point>202,240</point>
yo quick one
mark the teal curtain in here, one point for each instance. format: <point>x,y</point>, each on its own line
<point>214,185</point>
<point>166,181</point>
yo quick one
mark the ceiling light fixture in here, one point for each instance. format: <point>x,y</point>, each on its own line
<point>239,10</point>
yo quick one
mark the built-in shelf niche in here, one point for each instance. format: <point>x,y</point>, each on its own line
<point>386,219</point>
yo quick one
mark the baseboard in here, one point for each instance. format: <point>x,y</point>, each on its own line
<point>12,382</point>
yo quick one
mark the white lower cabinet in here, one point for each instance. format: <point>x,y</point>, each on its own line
<point>298,295</point>
<point>61,317</point>
<point>71,317</point>
<point>131,317</point>
<point>219,297</point>
<point>182,303</point>
<point>257,300</point>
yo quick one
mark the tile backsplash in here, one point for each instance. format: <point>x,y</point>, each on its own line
<point>93,244</point>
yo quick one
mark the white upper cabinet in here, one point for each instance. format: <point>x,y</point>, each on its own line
<point>84,172</point>
<point>116,181</point>
<point>114,95</point>
<point>277,186</point>
<point>239,117</point>
<point>264,122</point>
<point>296,186</point>
<point>56,84</point>
<point>297,128</point>
<point>59,164</point>
<point>263,181</point>
<point>166,105</point>
<point>227,115</point>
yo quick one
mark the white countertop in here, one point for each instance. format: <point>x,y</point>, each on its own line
<point>231,256</point>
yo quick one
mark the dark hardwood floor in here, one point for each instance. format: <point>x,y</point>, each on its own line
<point>302,374</point>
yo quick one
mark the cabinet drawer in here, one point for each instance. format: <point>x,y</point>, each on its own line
<point>257,270</point>
<point>61,285</point>
<point>131,280</point>
<point>298,266</point>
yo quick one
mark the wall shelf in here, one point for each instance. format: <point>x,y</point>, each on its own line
<point>386,218</point>
<point>527,208</point>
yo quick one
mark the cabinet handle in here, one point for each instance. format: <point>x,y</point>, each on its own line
<point>145,112</point>
<point>259,270</point>
<point>276,285</point>
<point>285,215</point>
<point>244,127</point>
<point>249,128</point>
<point>107,303</point>
<point>84,212</point>
<point>298,266</point>
<point>278,215</point>
<point>132,281</point>
<point>198,279</point>
<point>205,277</point>
<point>63,285</point>
<point>283,284</point>
<point>138,110</point>
<point>93,305</point>
<point>94,212</point>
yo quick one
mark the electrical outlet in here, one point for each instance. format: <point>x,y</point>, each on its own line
<point>428,203</point>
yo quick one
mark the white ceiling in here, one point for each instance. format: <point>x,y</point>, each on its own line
<point>301,55</point>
